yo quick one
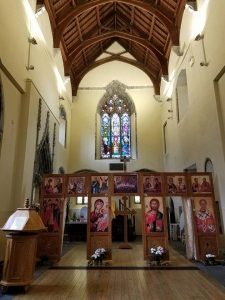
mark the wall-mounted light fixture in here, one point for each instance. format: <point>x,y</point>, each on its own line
<point>200,37</point>
<point>61,98</point>
<point>32,41</point>
<point>170,110</point>
<point>192,5</point>
<point>177,50</point>
<point>40,10</point>
<point>165,78</point>
<point>157,98</point>
<point>30,67</point>
<point>191,61</point>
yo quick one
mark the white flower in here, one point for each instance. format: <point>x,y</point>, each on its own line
<point>209,255</point>
<point>98,253</point>
<point>157,250</point>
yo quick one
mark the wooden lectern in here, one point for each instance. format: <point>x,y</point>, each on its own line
<point>22,228</point>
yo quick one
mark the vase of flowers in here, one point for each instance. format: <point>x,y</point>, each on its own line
<point>97,256</point>
<point>210,259</point>
<point>157,253</point>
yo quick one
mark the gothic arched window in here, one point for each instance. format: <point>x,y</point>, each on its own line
<point>115,129</point>
<point>116,110</point>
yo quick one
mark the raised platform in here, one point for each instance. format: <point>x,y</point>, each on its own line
<point>110,267</point>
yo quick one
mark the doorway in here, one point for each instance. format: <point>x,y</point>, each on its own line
<point>176,224</point>
<point>76,219</point>
<point>134,218</point>
<point>127,246</point>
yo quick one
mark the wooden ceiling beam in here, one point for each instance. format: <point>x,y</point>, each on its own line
<point>73,2</point>
<point>84,57</point>
<point>50,9</point>
<point>73,13</point>
<point>98,19</point>
<point>117,34</point>
<point>151,28</point>
<point>79,30</point>
<point>99,29</point>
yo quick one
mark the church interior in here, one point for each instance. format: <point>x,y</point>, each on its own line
<point>112,149</point>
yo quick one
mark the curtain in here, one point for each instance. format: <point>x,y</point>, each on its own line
<point>189,229</point>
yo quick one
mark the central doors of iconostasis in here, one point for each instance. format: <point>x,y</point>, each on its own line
<point>95,204</point>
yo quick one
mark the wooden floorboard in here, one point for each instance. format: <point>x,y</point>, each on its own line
<point>122,284</point>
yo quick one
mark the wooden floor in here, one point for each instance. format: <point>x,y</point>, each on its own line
<point>143,283</point>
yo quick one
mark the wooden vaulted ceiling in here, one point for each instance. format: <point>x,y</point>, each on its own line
<point>85,29</point>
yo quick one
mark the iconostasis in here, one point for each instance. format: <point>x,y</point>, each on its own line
<point>97,191</point>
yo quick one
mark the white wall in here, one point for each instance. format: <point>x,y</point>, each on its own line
<point>198,134</point>
<point>21,99</point>
<point>149,132</point>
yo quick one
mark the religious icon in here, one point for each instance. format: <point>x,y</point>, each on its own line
<point>152,184</point>
<point>99,215</point>
<point>125,184</point>
<point>51,213</point>
<point>201,184</point>
<point>204,215</point>
<point>176,184</point>
<point>154,217</point>
<point>99,184</point>
<point>76,185</point>
<point>53,185</point>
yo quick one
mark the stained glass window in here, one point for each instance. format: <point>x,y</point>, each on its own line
<point>115,128</point>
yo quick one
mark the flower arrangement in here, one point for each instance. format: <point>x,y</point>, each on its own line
<point>210,255</point>
<point>97,256</point>
<point>157,250</point>
<point>210,259</point>
<point>156,254</point>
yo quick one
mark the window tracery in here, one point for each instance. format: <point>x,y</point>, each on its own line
<point>115,109</point>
